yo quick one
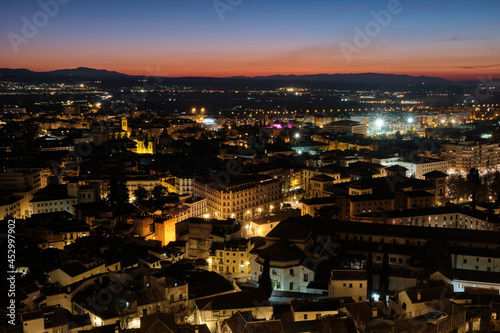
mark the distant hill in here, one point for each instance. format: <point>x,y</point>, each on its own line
<point>364,78</point>
<point>83,72</point>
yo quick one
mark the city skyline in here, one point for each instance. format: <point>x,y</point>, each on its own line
<point>222,39</point>
<point>232,166</point>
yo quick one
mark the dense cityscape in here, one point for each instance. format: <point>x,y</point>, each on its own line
<point>223,197</point>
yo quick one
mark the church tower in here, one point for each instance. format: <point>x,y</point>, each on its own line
<point>124,124</point>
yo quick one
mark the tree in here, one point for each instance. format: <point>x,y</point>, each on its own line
<point>265,282</point>
<point>494,186</point>
<point>473,177</point>
<point>384,277</point>
<point>327,212</point>
<point>458,188</point>
<point>118,191</point>
<point>158,192</point>
<point>141,194</point>
<point>369,275</point>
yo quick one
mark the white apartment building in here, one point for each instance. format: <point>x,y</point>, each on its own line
<point>52,204</point>
<point>286,275</point>
<point>417,167</point>
<point>465,155</point>
<point>453,217</point>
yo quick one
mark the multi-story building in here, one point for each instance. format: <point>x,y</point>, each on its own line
<point>147,182</point>
<point>261,226</point>
<point>58,148</point>
<point>285,248</point>
<point>455,217</point>
<point>360,206</point>
<point>291,178</point>
<point>199,234</point>
<point>20,180</point>
<point>211,310</point>
<point>346,126</point>
<point>484,260</point>
<point>242,197</point>
<point>85,193</point>
<point>184,185</point>
<point>163,221</point>
<point>52,199</point>
<point>309,173</point>
<point>230,257</point>
<point>465,155</point>
<point>348,283</point>
<point>11,206</point>
<point>419,166</point>
<point>346,144</point>
<point>309,310</point>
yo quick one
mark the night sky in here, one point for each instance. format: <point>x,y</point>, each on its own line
<point>450,39</point>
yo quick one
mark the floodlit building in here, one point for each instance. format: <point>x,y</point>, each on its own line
<point>242,197</point>
<point>346,126</point>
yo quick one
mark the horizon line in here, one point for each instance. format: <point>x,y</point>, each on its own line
<point>478,77</point>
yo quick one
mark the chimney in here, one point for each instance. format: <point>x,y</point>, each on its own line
<point>374,312</point>
<point>419,296</point>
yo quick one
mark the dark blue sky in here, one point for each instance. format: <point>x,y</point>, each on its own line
<point>454,39</point>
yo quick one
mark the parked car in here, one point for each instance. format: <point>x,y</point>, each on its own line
<point>436,317</point>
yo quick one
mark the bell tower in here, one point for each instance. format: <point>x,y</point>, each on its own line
<point>124,124</point>
<point>438,178</point>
